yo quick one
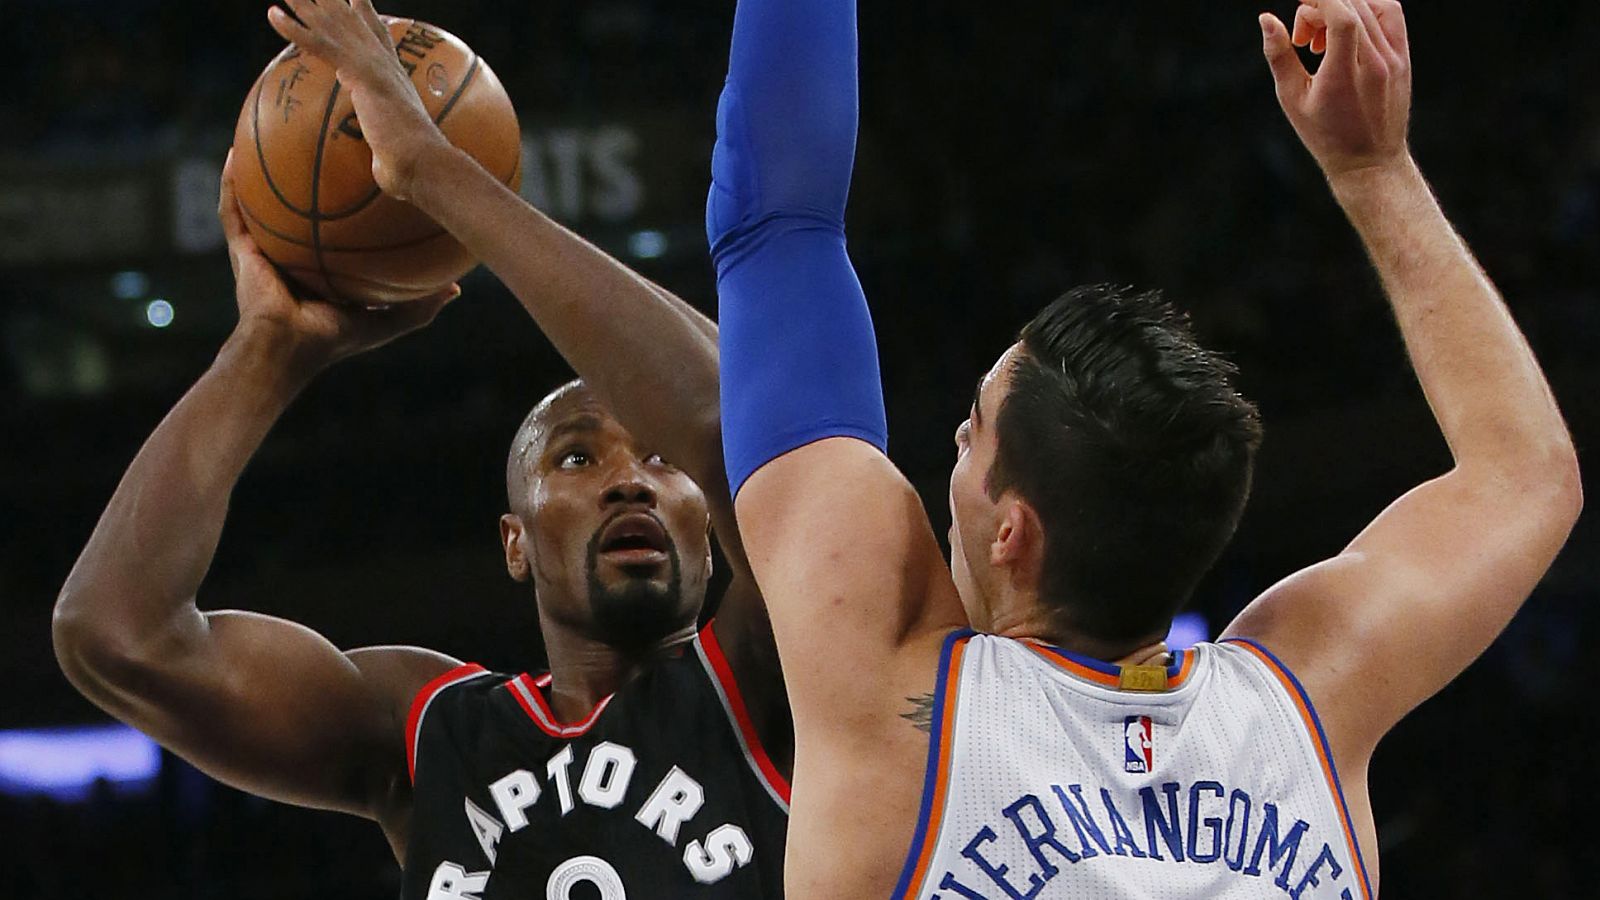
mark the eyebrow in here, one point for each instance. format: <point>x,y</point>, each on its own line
<point>575,425</point>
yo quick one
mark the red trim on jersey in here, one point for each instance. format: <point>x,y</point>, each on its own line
<point>528,693</point>
<point>741,714</point>
<point>420,702</point>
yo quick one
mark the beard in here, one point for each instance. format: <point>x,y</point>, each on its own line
<point>641,610</point>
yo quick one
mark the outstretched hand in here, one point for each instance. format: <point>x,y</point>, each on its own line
<point>317,332</point>
<point>1354,112</point>
<point>353,39</point>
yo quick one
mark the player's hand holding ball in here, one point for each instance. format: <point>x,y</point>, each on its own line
<point>1354,112</point>
<point>333,135</point>
<point>307,334</point>
<point>355,40</point>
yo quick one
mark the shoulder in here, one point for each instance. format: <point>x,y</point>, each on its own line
<point>396,674</point>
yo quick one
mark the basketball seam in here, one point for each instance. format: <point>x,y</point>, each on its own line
<point>316,190</point>
<point>288,239</point>
<point>472,73</point>
<point>361,279</point>
<point>261,153</point>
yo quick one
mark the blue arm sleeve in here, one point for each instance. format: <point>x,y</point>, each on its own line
<point>798,357</point>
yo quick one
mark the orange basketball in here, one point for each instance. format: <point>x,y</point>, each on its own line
<point>303,173</point>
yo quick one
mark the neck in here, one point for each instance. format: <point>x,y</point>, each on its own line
<point>585,670</point>
<point>1030,622</point>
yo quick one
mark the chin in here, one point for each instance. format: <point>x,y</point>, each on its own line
<point>639,610</point>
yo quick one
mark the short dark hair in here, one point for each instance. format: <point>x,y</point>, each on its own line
<point>1130,442</point>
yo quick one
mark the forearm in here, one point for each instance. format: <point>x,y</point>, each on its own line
<point>651,357</point>
<point>799,358</point>
<point>1480,377</point>
<point>155,541</point>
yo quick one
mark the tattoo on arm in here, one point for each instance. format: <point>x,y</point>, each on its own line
<point>921,714</point>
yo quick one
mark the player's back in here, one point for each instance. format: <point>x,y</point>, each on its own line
<point>1047,779</point>
<point>662,791</point>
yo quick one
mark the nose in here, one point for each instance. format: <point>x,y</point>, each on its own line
<point>630,488</point>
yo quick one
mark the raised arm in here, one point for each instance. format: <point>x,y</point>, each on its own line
<point>646,353</point>
<point>1420,593</point>
<point>263,704</point>
<point>837,538</point>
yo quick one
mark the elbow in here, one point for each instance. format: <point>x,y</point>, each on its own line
<point>1548,479</point>
<point>1542,481</point>
<point>87,649</point>
<point>1553,476</point>
<point>1569,486</point>
<point>77,642</point>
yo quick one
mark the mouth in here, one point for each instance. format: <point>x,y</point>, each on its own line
<point>634,540</point>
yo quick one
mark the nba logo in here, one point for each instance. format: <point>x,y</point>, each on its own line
<point>1138,748</point>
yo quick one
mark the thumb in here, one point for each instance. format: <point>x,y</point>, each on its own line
<point>402,318</point>
<point>1290,74</point>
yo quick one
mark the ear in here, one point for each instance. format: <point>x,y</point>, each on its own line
<point>1018,544</point>
<point>511,532</point>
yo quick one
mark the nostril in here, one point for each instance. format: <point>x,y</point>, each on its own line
<point>631,492</point>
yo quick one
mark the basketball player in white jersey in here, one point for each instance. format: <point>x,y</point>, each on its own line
<point>1059,751</point>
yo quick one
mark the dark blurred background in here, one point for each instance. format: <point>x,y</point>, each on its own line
<point>1007,151</point>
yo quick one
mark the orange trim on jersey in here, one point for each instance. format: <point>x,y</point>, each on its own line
<point>925,841</point>
<point>1308,717</point>
<point>741,714</point>
<point>1109,679</point>
<point>528,695</point>
<point>419,705</point>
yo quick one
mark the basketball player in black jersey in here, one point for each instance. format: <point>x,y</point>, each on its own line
<point>651,761</point>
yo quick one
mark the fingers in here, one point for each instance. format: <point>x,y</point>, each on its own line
<point>1386,25</point>
<point>388,322</point>
<point>233,228</point>
<point>318,26</point>
<point>446,295</point>
<point>1346,39</point>
<point>1392,19</point>
<point>370,18</point>
<point>288,27</point>
<point>1310,29</point>
<point>1370,27</point>
<point>1288,72</point>
<point>1382,28</point>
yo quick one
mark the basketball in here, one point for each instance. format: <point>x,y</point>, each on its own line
<point>303,173</point>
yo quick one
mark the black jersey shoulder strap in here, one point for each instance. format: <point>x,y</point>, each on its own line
<point>424,698</point>
<point>720,674</point>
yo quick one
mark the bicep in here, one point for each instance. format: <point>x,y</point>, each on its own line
<point>271,707</point>
<point>849,566</point>
<point>1412,601</point>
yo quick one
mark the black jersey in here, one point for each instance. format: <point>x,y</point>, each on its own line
<point>662,791</point>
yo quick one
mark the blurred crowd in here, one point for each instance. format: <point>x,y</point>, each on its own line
<point>1006,153</point>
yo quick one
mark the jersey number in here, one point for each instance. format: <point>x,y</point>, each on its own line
<point>580,869</point>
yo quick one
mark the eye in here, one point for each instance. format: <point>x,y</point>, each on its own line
<point>655,459</point>
<point>963,433</point>
<point>573,459</point>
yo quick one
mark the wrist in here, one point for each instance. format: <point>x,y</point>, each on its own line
<point>425,165</point>
<point>270,360</point>
<point>1375,179</point>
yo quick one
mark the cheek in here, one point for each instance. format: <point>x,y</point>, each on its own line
<point>556,529</point>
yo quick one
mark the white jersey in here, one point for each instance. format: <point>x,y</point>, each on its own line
<point>1047,780</point>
